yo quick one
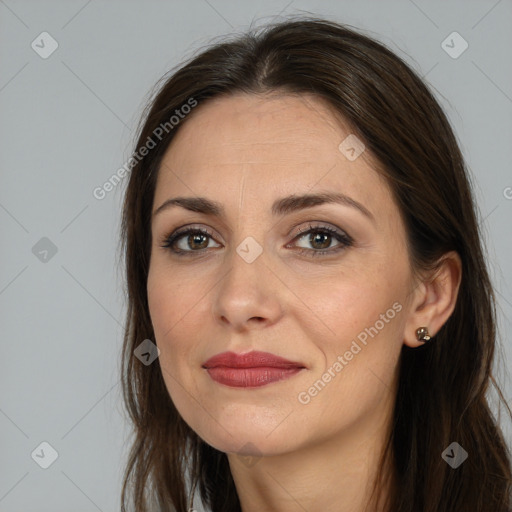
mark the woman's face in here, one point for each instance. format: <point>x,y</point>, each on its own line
<point>338,308</point>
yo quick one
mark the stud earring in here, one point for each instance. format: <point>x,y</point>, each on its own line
<point>422,334</point>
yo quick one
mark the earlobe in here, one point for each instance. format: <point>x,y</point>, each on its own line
<point>436,302</point>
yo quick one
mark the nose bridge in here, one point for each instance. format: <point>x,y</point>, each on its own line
<point>247,251</point>
<point>246,268</point>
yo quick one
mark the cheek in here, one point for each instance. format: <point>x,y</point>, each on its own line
<point>357,328</point>
<point>177,308</point>
<point>356,363</point>
<point>168,298</point>
<point>172,314</point>
<point>167,307</point>
<point>354,303</point>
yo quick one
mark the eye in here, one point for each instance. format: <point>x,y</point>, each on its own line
<point>190,241</point>
<point>321,237</point>
<point>193,238</point>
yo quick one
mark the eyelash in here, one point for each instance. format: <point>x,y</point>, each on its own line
<point>170,240</point>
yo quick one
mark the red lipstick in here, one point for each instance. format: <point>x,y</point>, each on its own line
<point>252,369</point>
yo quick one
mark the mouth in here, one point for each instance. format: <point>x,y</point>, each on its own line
<point>253,369</point>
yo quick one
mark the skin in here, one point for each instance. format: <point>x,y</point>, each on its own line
<point>245,151</point>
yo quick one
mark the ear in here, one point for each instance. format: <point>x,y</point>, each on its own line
<point>434,299</point>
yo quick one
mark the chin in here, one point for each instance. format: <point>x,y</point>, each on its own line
<point>247,440</point>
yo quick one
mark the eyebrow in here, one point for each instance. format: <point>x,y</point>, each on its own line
<point>280,207</point>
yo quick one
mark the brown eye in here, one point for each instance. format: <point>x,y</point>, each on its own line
<point>320,239</point>
<point>194,240</point>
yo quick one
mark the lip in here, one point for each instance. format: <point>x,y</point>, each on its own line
<point>252,369</point>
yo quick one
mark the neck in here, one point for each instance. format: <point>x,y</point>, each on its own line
<point>335,474</point>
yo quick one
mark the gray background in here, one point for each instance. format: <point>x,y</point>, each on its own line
<point>66,126</point>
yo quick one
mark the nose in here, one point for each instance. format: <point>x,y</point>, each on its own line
<point>248,295</point>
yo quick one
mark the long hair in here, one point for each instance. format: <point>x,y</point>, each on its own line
<point>441,396</point>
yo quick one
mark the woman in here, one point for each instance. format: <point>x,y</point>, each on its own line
<point>302,247</point>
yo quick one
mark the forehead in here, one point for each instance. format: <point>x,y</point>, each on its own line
<point>267,145</point>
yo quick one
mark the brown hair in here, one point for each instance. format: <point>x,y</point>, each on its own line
<point>442,387</point>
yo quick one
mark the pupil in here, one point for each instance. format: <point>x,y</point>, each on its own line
<point>195,237</point>
<point>314,240</point>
